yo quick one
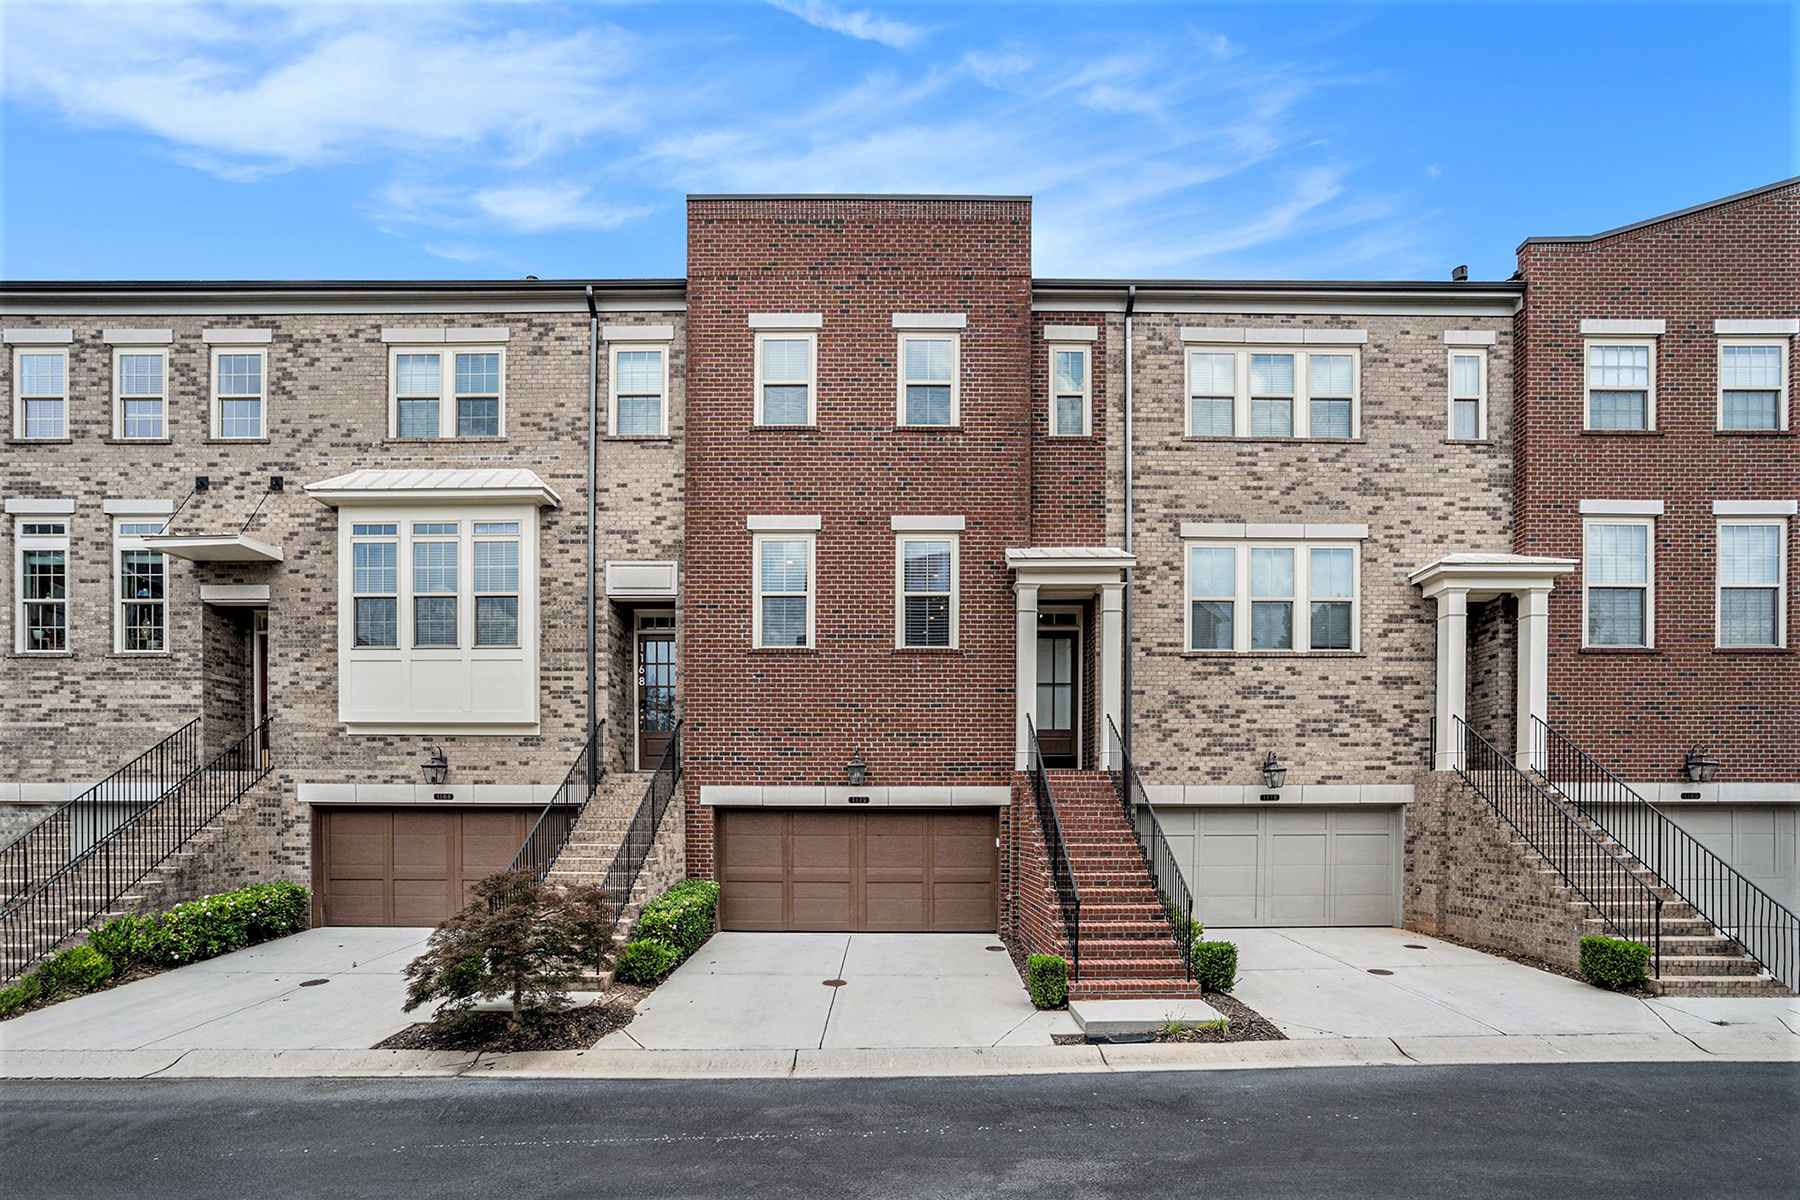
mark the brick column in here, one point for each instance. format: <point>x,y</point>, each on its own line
<point>1452,671</point>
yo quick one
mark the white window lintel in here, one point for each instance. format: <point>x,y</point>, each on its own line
<point>929,321</point>
<point>783,524</point>
<point>923,524</point>
<point>637,333</point>
<point>787,320</point>
<point>27,507</point>
<point>1469,337</point>
<point>138,508</point>
<point>1779,327</point>
<point>1621,508</point>
<point>1756,508</point>
<point>1623,328</point>
<point>137,337</point>
<point>237,337</point>
<point>39,337</point>
<point>1071,333</point>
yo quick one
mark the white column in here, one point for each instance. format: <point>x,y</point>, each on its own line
<point>1452,671</point>
<point>1025,678</point>
<point>1112,668</point>
<point>1534,669</point>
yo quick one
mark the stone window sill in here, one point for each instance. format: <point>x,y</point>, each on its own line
<point>30,655</point>
<point>130,654</point>
<point>1303,654</point>
<point>123,441</point>
<point>1627,650</point>
<point>927,649</point>
<point>1754,433</point>
<point>1624,433</point>
<point>426,441</point>
<point>19,441</point>
<point>1276,441</point>
<point>220,441</point>
<point>1752,650</point>
<point>784,649</point>
<point>1470,442</point>
<point>639,437</point>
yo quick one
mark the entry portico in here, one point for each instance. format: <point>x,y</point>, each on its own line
<point>1045,574</point>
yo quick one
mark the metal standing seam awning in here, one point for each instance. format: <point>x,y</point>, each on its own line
<point>214,547</point>
<point>434,486</point>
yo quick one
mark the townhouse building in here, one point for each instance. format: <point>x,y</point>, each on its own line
<point>882,582</point>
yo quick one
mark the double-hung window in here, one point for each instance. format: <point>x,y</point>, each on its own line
<point>1272,395</point>
<point>783,603</point>
<point>445,393</point>
<point>375,584</point>
<point>496,583</point>
<point>1273,392</point>
<point>140,399</point>
<point>1331,388</point>
<point>1212,394</point>
<point>1753,384</point>
<point>140,600</point>
<point>41,393</point>
<point>929,387</point>
<point>1621,385</point>
<point>42,572</point>
<point>928,570</point>
<point>1752,583</point>
<point>434,562</point>
<point>1247,596</point>
<point>1617,582</point>
<point>786,379</point>
<point>239,379</point>
<point>1468,395</point>
<point>640,384</point>
<point>1069,391</point>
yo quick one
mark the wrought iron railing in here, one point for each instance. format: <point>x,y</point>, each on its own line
<point>1159,859</point>
<point>1062,874</point>
<point>640,835</point>
<point>74,825</point>
<point>1736,907</point>
<point>1599,874</point>
<point>550,832</point>
<point>93,881</point>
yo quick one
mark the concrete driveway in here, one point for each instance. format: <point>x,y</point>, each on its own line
<point>253,999</point>
<point>1322,983</point>
<point>768,991</point>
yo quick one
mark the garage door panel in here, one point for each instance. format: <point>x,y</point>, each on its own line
<point>358,902</point>
<point>423,901</point>
<point>821,905</point>
<point>1270,866</point>
<point>894,906</point>
<point>754,904</point>
<point>409,866</point>
<point>424,844</point>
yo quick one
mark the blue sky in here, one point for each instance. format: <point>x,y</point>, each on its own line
<point>401,140</point>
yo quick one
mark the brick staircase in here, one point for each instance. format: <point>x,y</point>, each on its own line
<point>1127,949</point>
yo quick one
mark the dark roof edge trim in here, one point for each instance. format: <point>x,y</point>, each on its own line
<point>340,286</point>
<point>851,196</point>
<point>1508,287</point>
<point>1683,212</point>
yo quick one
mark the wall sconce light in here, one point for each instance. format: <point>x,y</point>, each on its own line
<point>1273,771</point>
<point>437,767</point>
<point>857,770</point>
<point>1698,767</point>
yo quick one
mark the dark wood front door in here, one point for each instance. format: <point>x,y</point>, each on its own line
<point>655,695</point>
<point>1058,696</point>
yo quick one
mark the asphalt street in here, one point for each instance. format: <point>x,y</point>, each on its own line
<point>1688,1130</point>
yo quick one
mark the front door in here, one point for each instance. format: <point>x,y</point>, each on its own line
<point>655,686</point>
<point>1058,716</point>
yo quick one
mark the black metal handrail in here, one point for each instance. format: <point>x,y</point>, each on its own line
<point>1153,844</point>
<point>72,826</point>
<point>90,883</point>
<point>1062,874</point>
<point>640,835</point>
<point>550,832</point>
<point>1593,870</point>
<point>1767,930</point>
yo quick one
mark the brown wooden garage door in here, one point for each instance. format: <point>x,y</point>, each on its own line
<point>896,871</point>
<point>407,866</point>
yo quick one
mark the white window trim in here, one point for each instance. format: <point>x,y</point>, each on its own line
<point>900,380</point>
<point>23,542</point>
<point>477,593</point>
<point>121,543</point>
<point>215,352</point>
<point>1086,350</point>
<point>812,374</point>
<point>120,350</point>
<point>901,594</point>
<point>812,586</point>
<point>1781,584</point>
<point>352,595</point>
<point>1784,350</point>
<point>1587,391</point>
<point>1481,406</point>
<point>1302,597</point>
<point>1240,405</point>
<point>19,353</point>
<point>613,351</point>
<point>1649,526</point>
<point>446,389</point>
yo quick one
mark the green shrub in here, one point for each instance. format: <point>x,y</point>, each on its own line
<point>215,925</point>
<point>1615,963</point>
<point>126,941</point>
<point>1047,979</point>
<point>1215,965</point>
<point>643,961</point>
<point>19,995</point>
<point>681,917</point>
<point>74,971</point>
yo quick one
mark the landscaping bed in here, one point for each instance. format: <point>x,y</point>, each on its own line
<point>1542,964</point>
<point>494,1032</point>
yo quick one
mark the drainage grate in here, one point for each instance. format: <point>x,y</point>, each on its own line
<point>1379,971</point>
<point>836,982</point>
<point>313,982</point>
<point>1000,949</point>
<point>1416,946</point>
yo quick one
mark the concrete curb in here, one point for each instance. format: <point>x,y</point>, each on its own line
<point>1722,1046</point>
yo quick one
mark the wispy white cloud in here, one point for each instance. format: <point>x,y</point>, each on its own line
<point>861,24</point>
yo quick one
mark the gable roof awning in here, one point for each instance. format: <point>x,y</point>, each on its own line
<point>434,486</point>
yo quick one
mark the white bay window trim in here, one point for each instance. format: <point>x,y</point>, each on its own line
<point>766,363</point>
<point>1777,584</point>
<point>451,391</point>
<point>1779,384</point>
<point>925,590</point>
<point>1310,383</point>
<point>1301,595</point>
<point>637,392</point>
<point>766,543</point>
<point>1593,534</point>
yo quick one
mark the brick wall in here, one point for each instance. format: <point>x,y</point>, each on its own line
<point>1493,671</point>
<point>1640,710</point>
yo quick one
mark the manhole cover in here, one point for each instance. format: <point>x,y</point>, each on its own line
<point>1379,971</point>
<point>1416,946</point>
<point>313,982</point>
<point>1000,949</point>
<point>836,982</point>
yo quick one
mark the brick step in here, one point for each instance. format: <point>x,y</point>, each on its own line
<point>1744,986</point>
<point>1671,927</point>
<point>1095,970</point>
<point>1687,965</point>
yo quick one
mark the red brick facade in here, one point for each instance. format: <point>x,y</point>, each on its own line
<point>1641,710</point>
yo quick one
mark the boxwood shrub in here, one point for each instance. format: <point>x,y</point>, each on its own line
<point>1215,965</point>
<point>1615,963</point>
<point>76,970</point>
<point>643,961</point>
<point>670,928</point>
<point>1047,979</point>
<point>20,994</point>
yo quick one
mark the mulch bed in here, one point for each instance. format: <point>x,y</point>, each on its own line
<point>571,1029</point>
<point>1528,960</point>
<point>1245,1025</point>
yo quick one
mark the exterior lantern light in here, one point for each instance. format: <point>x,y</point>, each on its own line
<point>1698,766</point>
<point>1274,771</point>
<point>437,767</point>
<point>857,770</point>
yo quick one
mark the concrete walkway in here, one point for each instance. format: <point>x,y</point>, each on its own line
<point>252,999</point>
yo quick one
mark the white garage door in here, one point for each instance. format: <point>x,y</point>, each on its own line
<point>1760,841</point>
<point>1289,866</point>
